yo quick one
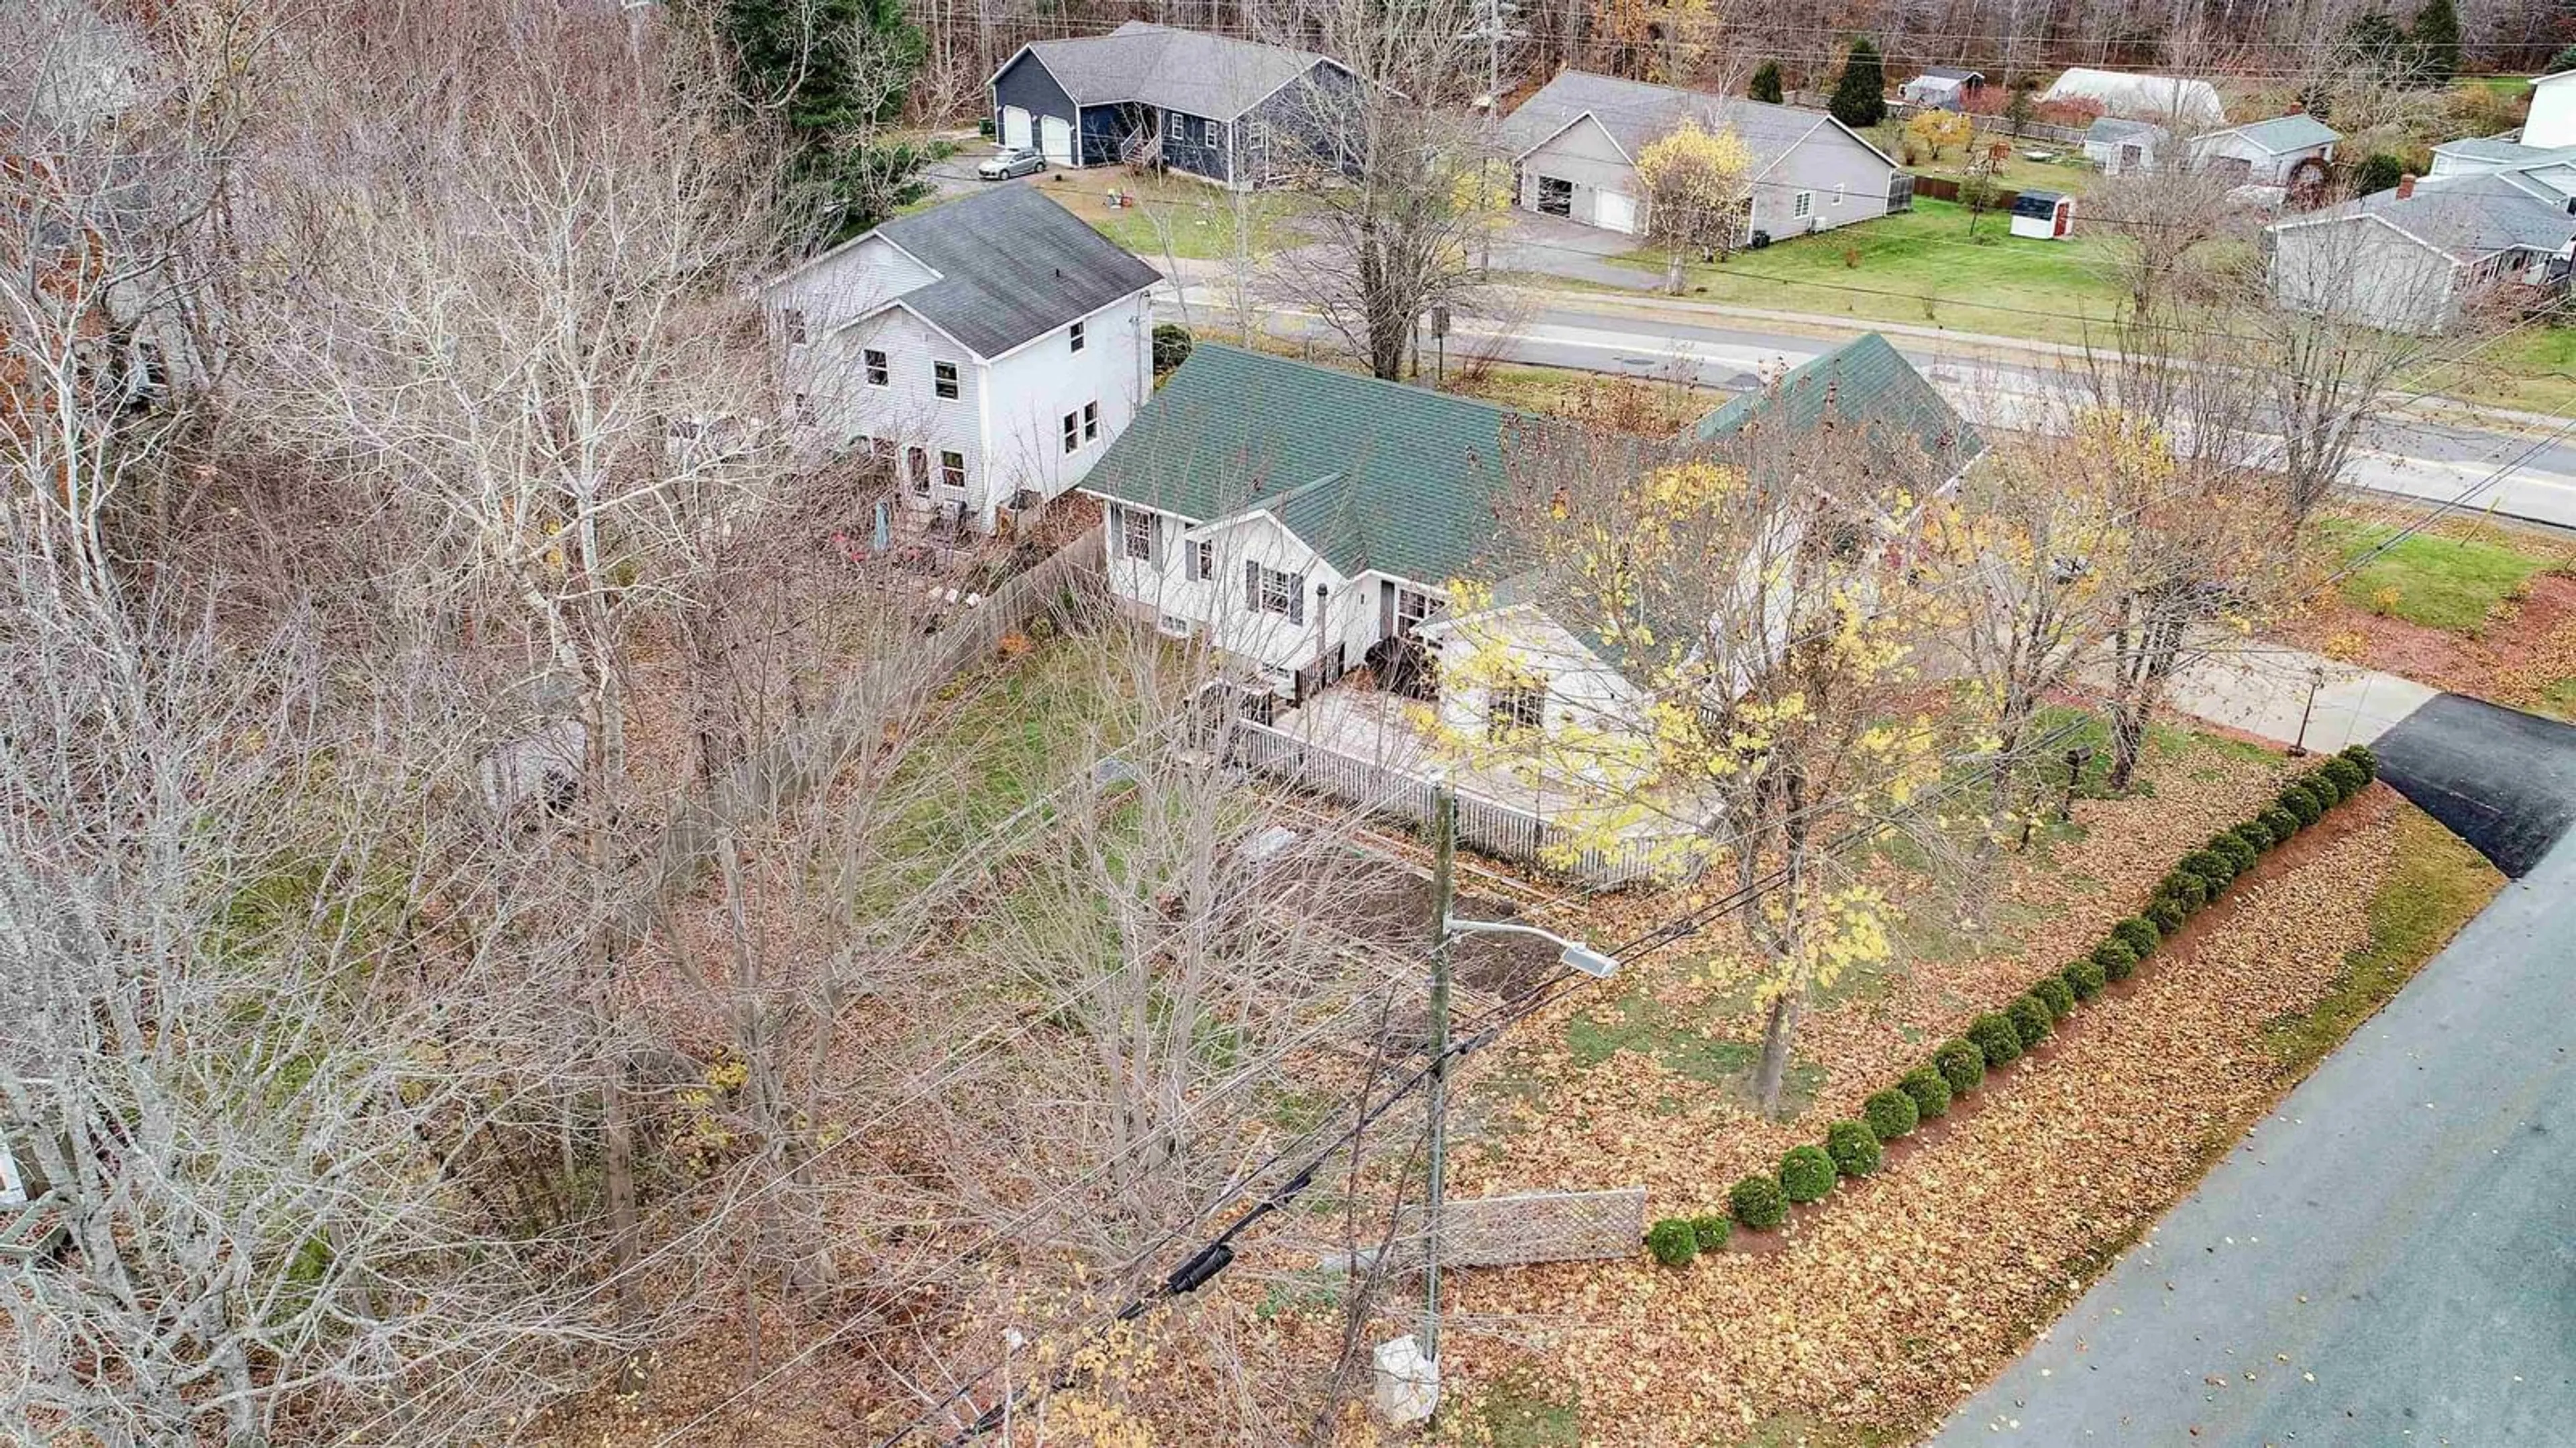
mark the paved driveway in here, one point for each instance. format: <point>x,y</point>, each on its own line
<point>2390,1258</point>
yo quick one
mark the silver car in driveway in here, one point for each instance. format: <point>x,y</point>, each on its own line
<point>1010,162</point>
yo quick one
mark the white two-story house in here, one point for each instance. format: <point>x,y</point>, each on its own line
<point>989,348</point>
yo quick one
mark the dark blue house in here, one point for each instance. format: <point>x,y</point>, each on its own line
<point>1235,112</point>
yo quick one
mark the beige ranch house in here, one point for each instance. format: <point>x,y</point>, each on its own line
<point>1575,145</point>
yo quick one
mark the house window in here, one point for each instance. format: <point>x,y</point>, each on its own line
<point>1838,193</point>
<point>879,374</point>
<point>1072,431</point>
<point>943,380</point>
<point>1267,590</point>
<point>916,466</point>
<point>1075,334</point>
<point>1135,534</point>
<point>1515,708</point>
<point>792,322</point>
<point>952,469</point>
<point>1412,607</point>
<point>1091,422</point>
<point>1803,204</point>
<point>1202,560</point>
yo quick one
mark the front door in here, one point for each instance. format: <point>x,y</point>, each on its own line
<point>1057,134</point>
<point>1555,196</point>
<point>1015,127</point>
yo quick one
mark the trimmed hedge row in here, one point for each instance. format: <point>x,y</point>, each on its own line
<point>1855,1148</point>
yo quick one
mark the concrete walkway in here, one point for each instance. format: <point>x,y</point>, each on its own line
<point>2263,690</point>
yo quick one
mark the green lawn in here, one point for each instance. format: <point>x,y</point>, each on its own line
<point>2069,172</point>
<point>2435,884</point>
<point>1922,268</point>
<point>2444,583</point>
<point>1199,219</point>
<point>2533,370</point>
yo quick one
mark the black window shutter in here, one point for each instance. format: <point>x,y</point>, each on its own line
<point>1252,585</point>
<point>1296,598</point>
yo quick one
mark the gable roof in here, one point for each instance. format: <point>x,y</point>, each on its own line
<point>2114,128</point>
<point>2466,217</point>
<point>1012,264</point>
<point>1867,381</point>
<point>1372,475</point>
<point>1215,76</point>
<point>1636,112</point>
<point>1381,476</point>
<point>1950,72</point>
<point>2136,93</point>
<point>2283,134</point>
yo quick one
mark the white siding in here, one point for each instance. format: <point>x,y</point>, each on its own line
<point>1584,155</point>
<point>1033,388</point>
<point>2263,168</point>
<point>1582,692</point>
<point>2364,270</point>
<point>2552,120</point>
<point>832,374</point>
<point>841,285</point>
<point>1160,587</point>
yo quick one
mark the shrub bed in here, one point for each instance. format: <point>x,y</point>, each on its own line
<point>1998,1038</point>
<point>1672,1242</point>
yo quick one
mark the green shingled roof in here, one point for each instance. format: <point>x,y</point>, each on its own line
<point>1863,380</point>
<point>1372,475</point>
<point>1402,480</point>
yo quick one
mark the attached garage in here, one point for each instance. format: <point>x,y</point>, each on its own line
<point>1614,211</point>
<point>1056,134</point>
<point>1015,127</point>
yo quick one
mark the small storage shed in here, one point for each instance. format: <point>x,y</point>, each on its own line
<point>2047,215</point>
<point>1942,87</point>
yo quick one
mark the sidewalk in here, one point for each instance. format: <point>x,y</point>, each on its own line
<point>2264,689</point>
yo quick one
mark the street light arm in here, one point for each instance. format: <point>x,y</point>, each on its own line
<point>1574,954</point>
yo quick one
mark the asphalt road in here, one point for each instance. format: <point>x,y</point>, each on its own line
<point>2390,1258</point>
<point>2530,476</point>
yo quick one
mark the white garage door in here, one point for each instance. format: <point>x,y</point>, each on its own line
<point>1015,127</point>
<point>1059,140</point>
<point>1614,210</point>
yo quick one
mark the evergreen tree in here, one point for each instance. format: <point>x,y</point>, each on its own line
<point>2374,41</point>
<point>2378,172</point>
<point>2437,42</point>
<point>1860,96</point>
<point>1766,83</point>
<point>2563,61</point>
<point>835,71</point>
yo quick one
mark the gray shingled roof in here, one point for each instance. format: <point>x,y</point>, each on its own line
<point>1012,265</point>
<point>2470,216</point>
<point>2284,134</point>
<point>1214,76</point>
<point>1951,72</point>
<point>1635,112</point>
<point>2113,128</point>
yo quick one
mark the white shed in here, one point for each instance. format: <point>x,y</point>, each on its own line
<point>2140,96</point>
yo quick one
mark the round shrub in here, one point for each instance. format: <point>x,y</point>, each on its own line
<point>2302,801</point>
<point>2213,868</point>
<point>1806,1174</point>
<point>2030,1020</point>
<point>2138,933</point>
<point>1172,343</point>
<point>1710,1231</point>
<point>2187,890</point>
<point>1758,1203</point>
<point>1962,1065</point>
<point>1855,1151</point>
<point>2054,993</point>
<point>1930,1090</point>
<point>1672,1242</point>
<point>2362,758</point>
<point>2239,855</point>
<point>2346,776</point>
<point>2256,834</point>
<point>1890,1114</point>
<point>2086,978</point>
<point>2166,914</point>
<point>2115,959</point>
<point>1995,1039</point>
<point>2283,823</point>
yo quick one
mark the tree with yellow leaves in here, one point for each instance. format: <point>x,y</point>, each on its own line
<point>1762,597</point>
<point>1938,130</point>
<point>1698,187</point>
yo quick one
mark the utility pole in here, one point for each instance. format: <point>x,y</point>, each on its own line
<point>1444,861</point>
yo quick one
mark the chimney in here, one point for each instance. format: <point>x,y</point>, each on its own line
<point>2405,186</point>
